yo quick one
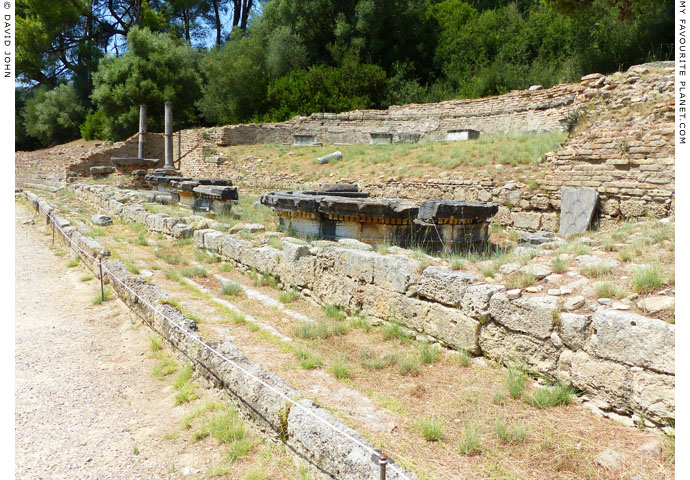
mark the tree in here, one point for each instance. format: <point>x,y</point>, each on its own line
<point>66,39</point>
<point>53,116</point>
<point>155,69</point>
<point>236,81</point>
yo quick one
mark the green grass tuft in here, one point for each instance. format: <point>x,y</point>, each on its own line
<point>647,279</point>
<point>545,397</point>
<point>471,441</point>
<point>515,381</point>
<point>430,429</point>
<point>231,289</point>
<point>429,353</point>
<point>340,370</point>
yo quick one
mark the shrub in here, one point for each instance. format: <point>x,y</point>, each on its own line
<point>608,290</point>
<point>510,435</point>
<point>429,353</point>
<point>308,360</point>
<point>408,365</point>
<point>53,116</point>
<point>194,272</point>
<point>559,265</point>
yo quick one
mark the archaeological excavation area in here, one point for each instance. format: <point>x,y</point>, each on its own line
<point>474,289</point>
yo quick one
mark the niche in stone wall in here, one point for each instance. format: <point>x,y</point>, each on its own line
<point>304,140</point>
<point>459,135</point>
<point>380,138</point>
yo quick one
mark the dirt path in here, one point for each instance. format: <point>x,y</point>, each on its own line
<point>87,405</point>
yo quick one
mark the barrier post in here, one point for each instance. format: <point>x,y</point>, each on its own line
<point>383,460</point>
<point>53,224</point>
<point>100,270</point>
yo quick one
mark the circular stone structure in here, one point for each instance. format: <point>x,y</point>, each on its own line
<point>343,212</point>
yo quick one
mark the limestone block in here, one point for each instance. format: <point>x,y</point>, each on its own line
<point>265,403</point>
<point>181,230</point>
<point>549,221</point>
<point>294,251</point>
<point>506,346</point>
<point>452,328</point>
<point>573,330</point>
<point>533,315</point>
<point>102,220</point>
<point>526,220</point>
<point>654,394</point>
<point>356,264</point>
<point>297,273</point>
<point>444,286</point>
<point>633,339</point>
<point>384,304</point>
<point>609,382</point>
<point>211,240</point>
<point>264,259</point>
<point>577,209</point>
<point>334,453</point>
<point>395,272</point>
<point>475,301</point>
<point>199,237</point>
<point>633,208</point>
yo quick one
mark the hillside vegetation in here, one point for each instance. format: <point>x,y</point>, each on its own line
<point>85,66</point>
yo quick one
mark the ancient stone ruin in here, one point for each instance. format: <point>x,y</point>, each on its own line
<point>342,211</point>
<point>200,194</point>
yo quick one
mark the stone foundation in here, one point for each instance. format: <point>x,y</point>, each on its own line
<point>625,363</point>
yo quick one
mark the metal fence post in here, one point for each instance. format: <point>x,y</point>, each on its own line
<point>100,270</point>
<point>53,223</point>
<point>383,460</point>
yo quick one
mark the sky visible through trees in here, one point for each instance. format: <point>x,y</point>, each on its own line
<point>234,61</point>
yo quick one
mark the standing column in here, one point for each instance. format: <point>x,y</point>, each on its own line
<point>168,136</point>
<point>142,130</point>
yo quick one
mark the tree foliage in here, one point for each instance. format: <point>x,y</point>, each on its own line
<point>228,61</point>
<point>53,116</point>
<point>326,89</point>
<point>155,69</point>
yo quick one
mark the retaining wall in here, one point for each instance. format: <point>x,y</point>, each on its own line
<point>331,454</point>
<point>625,363</point>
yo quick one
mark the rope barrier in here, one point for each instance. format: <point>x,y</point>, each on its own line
<point>380,456</point>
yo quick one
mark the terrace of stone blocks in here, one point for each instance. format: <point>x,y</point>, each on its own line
<point>488,420</point>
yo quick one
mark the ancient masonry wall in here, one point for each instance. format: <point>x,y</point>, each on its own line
<point>625,363</point>
<point>329,454</point>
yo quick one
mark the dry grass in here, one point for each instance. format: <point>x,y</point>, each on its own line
<point>468,405</point>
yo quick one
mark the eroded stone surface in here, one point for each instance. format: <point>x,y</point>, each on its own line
<point>577,209</point>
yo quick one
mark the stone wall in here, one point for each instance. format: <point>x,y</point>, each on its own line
<point>72,160</point>
<point>625,145</point>
<point>301,427</point>
<point>518,111</point>
<point>625,363</point>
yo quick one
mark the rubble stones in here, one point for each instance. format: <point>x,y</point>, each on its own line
<point>101,220</point>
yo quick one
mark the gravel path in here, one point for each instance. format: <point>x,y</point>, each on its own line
<point>87,406</point>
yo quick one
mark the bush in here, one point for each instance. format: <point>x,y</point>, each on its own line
<point>94,127</point>
<point>322,88</point>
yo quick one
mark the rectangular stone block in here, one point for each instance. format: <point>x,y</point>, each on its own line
<point>633,339</point>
